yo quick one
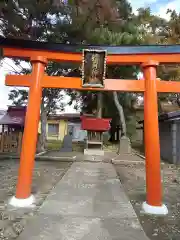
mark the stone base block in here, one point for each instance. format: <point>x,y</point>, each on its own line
<point>93,152</point>
<point>125,146</point>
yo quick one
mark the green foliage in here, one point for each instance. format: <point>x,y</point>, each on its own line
<point>30,19</point>
<point>54,145</point>
<point>37,20</point>
<point>18,97</point>
<point>105,36</point>
<point>155,30</point>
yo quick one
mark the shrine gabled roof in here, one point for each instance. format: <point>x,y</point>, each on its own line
<point>14,116</point>
<point>68,48</point>
<point>170,116</point>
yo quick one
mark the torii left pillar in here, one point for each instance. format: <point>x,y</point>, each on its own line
<point>23,196</point>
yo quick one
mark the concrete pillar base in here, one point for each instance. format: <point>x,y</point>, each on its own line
<point>22,203</point>
<point>154,210</point>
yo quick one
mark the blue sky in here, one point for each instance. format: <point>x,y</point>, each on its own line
<point>158,7</point>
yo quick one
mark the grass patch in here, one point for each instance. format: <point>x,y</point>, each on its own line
<point>55,145</point>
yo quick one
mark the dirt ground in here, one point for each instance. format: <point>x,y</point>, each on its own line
<point>45,177</point>
<point>132,177</point>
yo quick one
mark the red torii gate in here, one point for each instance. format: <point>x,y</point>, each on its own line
<point>146,56</point>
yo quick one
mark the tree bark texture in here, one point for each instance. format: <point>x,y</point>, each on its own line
<point>43,137</point>
<point>99,105</point>
<point>121,113</point>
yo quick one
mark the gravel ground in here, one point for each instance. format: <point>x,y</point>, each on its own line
<point>45,177</point>
<point>132,177</point>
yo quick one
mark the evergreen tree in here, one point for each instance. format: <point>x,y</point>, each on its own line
<point>41,21</point>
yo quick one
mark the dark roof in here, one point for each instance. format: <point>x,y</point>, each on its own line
<point>68,48</point>
<point>14,116</point>
<point>2,112</point>
<point>66,116</point>
<point>170,116</point>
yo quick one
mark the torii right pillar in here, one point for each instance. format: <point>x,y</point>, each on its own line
<point>153,204</point>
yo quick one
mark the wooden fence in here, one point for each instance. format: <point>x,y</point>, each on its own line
<point>10,142</point>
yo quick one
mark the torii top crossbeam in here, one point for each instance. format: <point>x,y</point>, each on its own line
<point>116,55</point>
<point>113,51</point>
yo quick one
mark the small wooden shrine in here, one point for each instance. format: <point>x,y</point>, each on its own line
<point>12,130</point>
<point>95,128</point>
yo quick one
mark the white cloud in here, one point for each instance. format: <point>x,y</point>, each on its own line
<point>68,109</point>
<point>6,66</point>
<point>173,5</point>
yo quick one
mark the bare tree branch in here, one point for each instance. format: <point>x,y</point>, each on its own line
<point>14,70</point>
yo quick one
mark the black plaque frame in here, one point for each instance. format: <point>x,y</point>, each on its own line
<point>88,79</point>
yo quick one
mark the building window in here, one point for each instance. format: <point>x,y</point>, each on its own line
<point>53,129</point>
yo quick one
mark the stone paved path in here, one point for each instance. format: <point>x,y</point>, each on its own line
<point>88,203</point>
<point>45,176</point>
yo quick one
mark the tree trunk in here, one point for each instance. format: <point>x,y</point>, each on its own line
<point>99,105</point>
<point>178,99</point>
<point>160,110</point>
<point>42,137</point>
<point>121,118</point>
<point>99,112</point>
<point>121,113</point>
